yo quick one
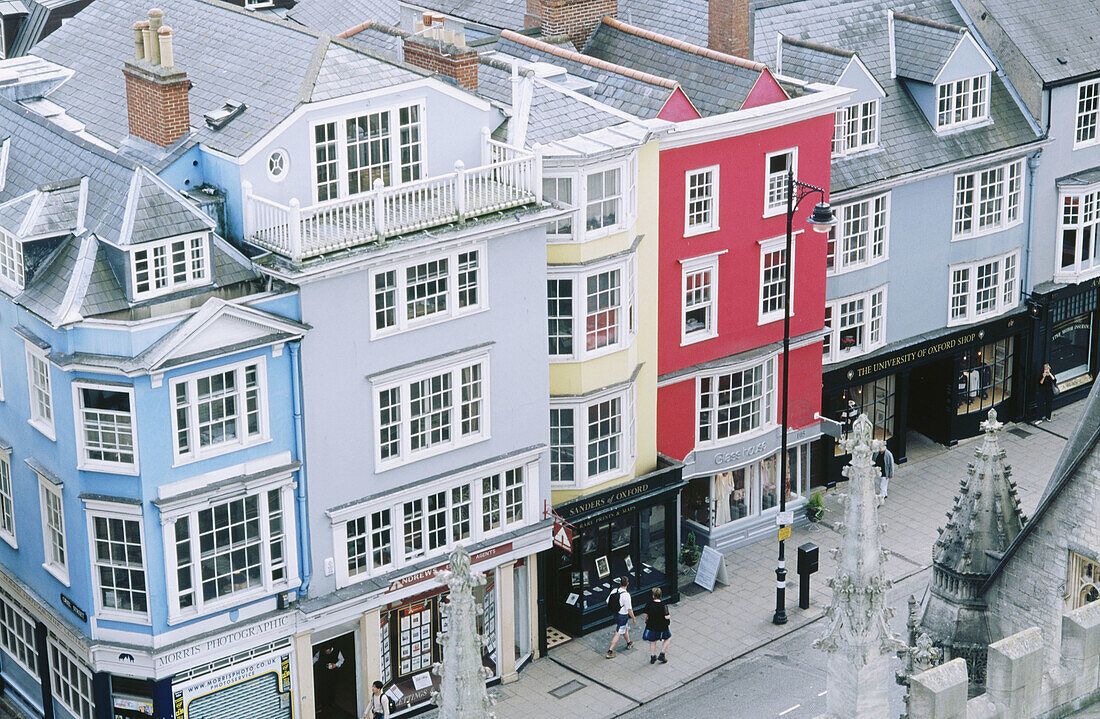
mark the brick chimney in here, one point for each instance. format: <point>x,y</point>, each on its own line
<point>442,51</point>
<point>575,19</point>
<point>156,91</point>
<point>729,27</point>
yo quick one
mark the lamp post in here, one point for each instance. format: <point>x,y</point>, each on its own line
<point>822,220</point>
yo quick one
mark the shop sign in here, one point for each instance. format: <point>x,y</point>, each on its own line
<point>71,606</point>
<point>1074,383</point>
<point>921,353</point>
<point>619,494</point>
<point>712,568</point>
<point>261,687</point>
<point>425,574</point>
<point>258,633</point>
<point>134,706</point>
<point>563,536</point>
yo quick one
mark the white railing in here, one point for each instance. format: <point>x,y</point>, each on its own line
<point>508,177</point>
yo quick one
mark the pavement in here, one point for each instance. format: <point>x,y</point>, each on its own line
<point>712,630</point>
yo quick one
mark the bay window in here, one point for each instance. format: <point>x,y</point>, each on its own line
<point>105,427</point>
<point>856,324</point>
<point>220,411</point>
<point>987,200</point>
<point>1078,227</point>
<point>735,403</point>
<point>608,295</point>
<point>862,235</point>
<point>417,523</point>
<point>963,102</point>
<point>593,439</point>
<point>439,408</point>
<point>983,288</point>
<point>167,266</point>
<point>413,294</point>
<point>604,198</point>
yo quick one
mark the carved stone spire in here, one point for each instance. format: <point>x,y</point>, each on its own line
<point>857,637</point>
<point>984,520</point>
<point>462,693</point>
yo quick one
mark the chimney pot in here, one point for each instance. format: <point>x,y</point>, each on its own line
<point>156,19</point>
<point>427,19</point>
<point>139,42</point>
<point>167,58</point>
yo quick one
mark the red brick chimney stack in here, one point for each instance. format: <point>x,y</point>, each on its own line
<point>156,92</point>
<point>729,27</point>
<point>442,51</point>
<point>575,19</point>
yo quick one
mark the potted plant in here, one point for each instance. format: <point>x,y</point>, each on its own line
<point>690,552</point>
<point>815,507</point>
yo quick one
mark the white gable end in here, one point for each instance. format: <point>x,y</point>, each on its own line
<point>857,77</point>
<point>967,60</point>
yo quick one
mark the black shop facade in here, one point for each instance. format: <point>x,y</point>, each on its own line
<point>630,530</point>
<point>1065,333</point>
<point>942,387</point>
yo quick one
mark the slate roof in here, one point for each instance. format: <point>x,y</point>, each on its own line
<point>811,61</point>
<point>503,14</point>
<point>631,93</point>
<point>38,23</point>
<point>686,19</point>
<point>907,143</point>
<point>1050,31</point>
<point>713,81</point>
<point>336,16</point>
<point>556,115</point>
<point>229,54</point>
<point>922,47</point>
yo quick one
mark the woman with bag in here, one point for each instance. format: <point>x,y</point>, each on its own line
<point>656,627</point>
<point>1048,387</point>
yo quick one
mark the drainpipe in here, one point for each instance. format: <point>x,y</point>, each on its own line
<point>1032,168</point>
<point>300,450</point>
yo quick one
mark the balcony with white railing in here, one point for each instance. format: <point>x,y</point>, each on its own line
<point>508,177</point>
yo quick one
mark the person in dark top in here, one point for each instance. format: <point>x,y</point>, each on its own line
<point>1046,393</point>
<point>656,627</point>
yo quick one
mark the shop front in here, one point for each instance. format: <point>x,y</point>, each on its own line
<point>256,684</point>
<point>1065,334</point>
<point>628,531</point>
<point>732,492</point>
<point>942,387</point>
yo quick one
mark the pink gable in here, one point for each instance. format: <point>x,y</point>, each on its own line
<point>764,92</point>
<point>679,108</point>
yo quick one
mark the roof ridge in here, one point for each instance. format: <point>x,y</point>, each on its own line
<point>373,25</point>
<point>684,45</point>
<point>839,52</point>
<point>590,61</point>
<point>68,135</point>
<point>929,23</point>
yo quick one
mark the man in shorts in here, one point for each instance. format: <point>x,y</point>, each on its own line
<point>624,615</point>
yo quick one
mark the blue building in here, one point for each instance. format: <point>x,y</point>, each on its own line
<point>149,458</point>
<point>933,171</point>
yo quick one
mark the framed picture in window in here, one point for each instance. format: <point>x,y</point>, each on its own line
<point>576,579</point>
<point>620,538</point>
<point>603,567</point>
<point>629,563</point>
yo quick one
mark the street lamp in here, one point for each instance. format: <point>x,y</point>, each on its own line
<point>821,220</point>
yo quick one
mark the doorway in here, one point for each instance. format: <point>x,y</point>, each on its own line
<point>334,678</point>
<point>930,389</point>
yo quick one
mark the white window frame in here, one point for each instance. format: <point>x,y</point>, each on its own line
<point>628,452</point>
<point>1008,177</point>
<point>196,452</point>
<point>11,263</point>
<point>689,268</point>
<point>94,465</point>
<point>628,300</point>
<point>402,380</point>
<point>94,509</point>
<point>711,202</point>
<point>849,134</point>
<point>401,303</point>
<point>42,414</point>
<point>284,485</point>
<point>1087,116</point>
<point>340,119</point>
<point>60,680</point>
<point>780,207</point>
<point>778,244</point>
<point>17,635</point>
<point>766,420</point>
<point>554,231</point>
<point>1086,221</point>
<point>7,501</point>
<point>831,349</point>
<point>959,98</point>
<point>394,503</point>
<point>877,235</point>
<point>196,268</point>
<point>1003,300</point>
<point>46,490</point>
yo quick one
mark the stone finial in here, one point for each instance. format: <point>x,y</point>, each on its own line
<point>462,675</point>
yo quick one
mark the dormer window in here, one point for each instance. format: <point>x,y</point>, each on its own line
<point>11,262</point>
<point>162,267</point>
<point>963,102</point>
<point>856,128</point>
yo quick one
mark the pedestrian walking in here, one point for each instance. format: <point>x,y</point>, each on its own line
<point>656,627</point>
<point>379,706</point>
<point>884,460</point>
<point>1047,389</point>
<point>624,615</point>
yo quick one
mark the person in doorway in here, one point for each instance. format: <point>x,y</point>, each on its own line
<point>849,416</point>
<point>624,615</point>
<point>379,706</point>
<point>1046,393</point>
<point>326,670</point>
<point>884,460</point>
<point>656,627</point>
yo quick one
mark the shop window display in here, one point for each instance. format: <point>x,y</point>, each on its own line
<point>744,492</point>
<point>876,399</point>
<point>1071,347</point>
<point>984,377</point>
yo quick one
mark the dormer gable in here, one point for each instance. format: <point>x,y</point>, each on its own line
<point>943,69</point>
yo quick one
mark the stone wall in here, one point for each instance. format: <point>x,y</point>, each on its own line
<point>1031,589</point>
<point>1019,683</point>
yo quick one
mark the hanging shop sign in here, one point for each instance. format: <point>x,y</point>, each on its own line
<point>563,536</point>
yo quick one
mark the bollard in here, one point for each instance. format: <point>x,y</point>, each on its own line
<point>807,565</point>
